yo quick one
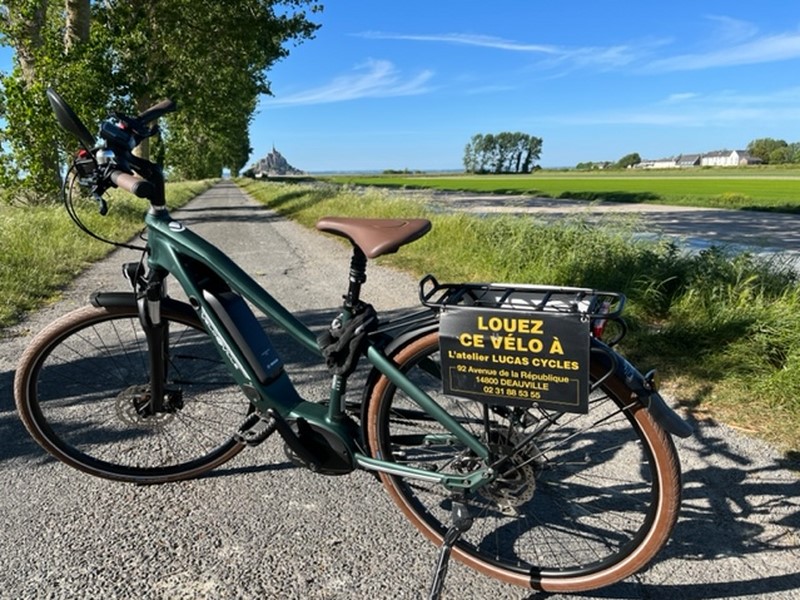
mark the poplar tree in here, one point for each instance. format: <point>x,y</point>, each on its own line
<point>210,57</point>
<point>504,152</point>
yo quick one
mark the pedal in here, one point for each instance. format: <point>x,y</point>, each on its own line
<point>255,429</point>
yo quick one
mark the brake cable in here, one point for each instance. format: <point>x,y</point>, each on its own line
<point>67,192</point>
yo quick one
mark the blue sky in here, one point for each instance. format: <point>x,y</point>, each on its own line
<point>406,84</point>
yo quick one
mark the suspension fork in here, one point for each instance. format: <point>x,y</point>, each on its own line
<point>156,331</point>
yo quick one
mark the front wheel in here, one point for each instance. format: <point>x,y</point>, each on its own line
<point>584,500</point>
<point>81,385</point>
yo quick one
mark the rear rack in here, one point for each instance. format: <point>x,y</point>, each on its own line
<point>594,304</point>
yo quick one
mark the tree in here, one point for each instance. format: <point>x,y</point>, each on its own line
<point>29,127</point>
<point>533,151</point>
<point>210,57</point>
<point>769,150</point>
<point>629,160</point>
<point>471,154</point>
<point>505,152</point>
<point>795,150</point>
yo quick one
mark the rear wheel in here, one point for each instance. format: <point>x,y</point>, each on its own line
<point>584,500</point>
<point>83,381</point>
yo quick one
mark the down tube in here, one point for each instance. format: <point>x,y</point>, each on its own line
<point>427,403</point>
<point>183,241</point>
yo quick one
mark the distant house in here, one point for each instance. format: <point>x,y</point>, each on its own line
<point>659,163</point>
<point>685,161</point>
<point>717,158</point>
<point>729,158</point>
<point>745,158</point>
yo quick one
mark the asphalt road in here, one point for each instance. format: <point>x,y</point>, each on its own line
<point>260,528</point>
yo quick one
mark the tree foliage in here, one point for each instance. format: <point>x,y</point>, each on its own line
<point>504,152</point>
<point>774,152</point>
<point>210,57</point>
<point>629,160</point>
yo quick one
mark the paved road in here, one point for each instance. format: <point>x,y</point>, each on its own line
<point>259,528</point>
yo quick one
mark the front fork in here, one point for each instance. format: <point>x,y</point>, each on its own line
<point>150,291</point>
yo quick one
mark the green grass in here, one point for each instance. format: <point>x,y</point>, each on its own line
<point>42,250</point>
<point>725,332</point>
<point>751,188</point>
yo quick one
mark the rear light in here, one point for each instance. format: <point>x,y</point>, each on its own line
<point>599,325</point>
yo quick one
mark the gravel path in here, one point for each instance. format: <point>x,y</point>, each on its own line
<point>260,528</point>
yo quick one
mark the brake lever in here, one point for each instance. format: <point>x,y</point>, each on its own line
<point>102,205</point>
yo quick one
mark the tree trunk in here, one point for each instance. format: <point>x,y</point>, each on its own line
<point>142,104</point>
<point>77,23</point>
<point>29,36</point>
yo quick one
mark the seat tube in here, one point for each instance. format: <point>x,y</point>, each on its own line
<point>358,275</point>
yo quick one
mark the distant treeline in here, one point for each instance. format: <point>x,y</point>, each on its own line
<point>504,152</point>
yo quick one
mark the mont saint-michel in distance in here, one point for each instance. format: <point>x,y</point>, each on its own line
<point>272,165</point>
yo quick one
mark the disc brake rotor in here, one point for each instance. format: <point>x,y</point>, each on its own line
<point>128,405</point>
<point>517,483</point>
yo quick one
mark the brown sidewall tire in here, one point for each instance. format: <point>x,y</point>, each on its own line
<point>669,492</point>
<point>48,339</point>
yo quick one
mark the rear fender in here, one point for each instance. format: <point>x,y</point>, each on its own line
<point>644,389</point>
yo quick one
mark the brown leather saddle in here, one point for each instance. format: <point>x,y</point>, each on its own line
<point>376,237</point>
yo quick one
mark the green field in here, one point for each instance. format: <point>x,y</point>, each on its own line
<point>755,189</point>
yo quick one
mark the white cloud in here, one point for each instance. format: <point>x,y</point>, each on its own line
<point>373,79</point>
<point>484,41</point>
<point>553,56</point>
<point>732,42</point>
<point>732,31</point>
<point>774,48</point>
<point>680,97</point>
<point>724,108</point>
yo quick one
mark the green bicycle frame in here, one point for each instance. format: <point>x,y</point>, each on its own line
<point>175,249</point>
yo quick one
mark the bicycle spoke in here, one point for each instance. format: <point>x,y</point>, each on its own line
<point>91,385</point>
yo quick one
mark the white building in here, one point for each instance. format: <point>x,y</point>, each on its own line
<point>728,158</point>
<point>659,163</point>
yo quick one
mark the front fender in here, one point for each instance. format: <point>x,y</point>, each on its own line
<point>128,299</point>
<point>661,412</point>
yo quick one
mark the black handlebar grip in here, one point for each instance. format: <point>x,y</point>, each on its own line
<point>157,110</point>
<point>137,186</point>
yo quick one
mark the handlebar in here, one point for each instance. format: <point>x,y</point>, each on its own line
<point>111,162</point>
<point>137,186</point>
<point>157,111</point>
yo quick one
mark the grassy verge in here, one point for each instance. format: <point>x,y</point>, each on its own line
<point>725,332</point>
<point>42,250</point>
<point>753,189</point>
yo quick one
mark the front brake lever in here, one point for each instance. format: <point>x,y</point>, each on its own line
<point>102,205</point>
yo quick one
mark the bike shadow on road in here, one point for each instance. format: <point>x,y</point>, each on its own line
<point>222,214</point>
<point>738,534</point>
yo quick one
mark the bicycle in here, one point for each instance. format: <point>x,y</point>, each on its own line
<point>461,418</point>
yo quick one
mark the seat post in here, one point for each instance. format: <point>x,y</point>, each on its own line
<point>358,275</point>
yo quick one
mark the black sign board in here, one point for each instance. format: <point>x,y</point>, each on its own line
<point>518,358</point>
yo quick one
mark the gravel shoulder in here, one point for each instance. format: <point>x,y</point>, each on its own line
<point>260,528</point>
